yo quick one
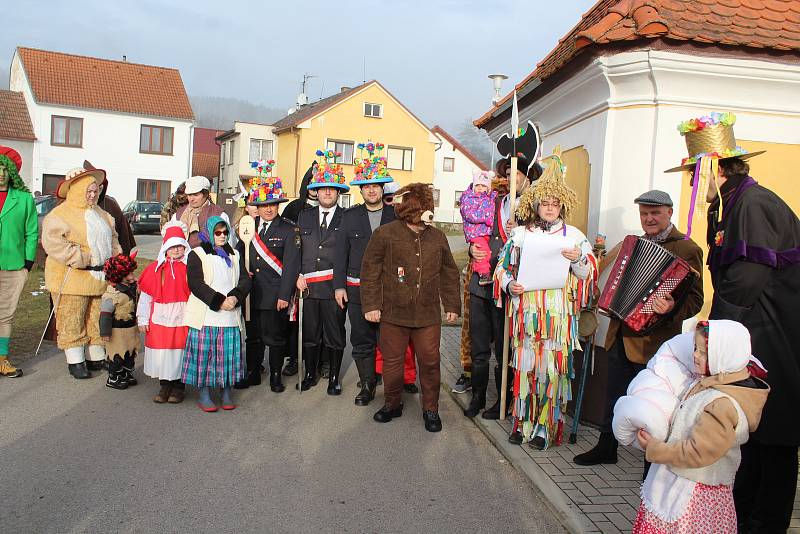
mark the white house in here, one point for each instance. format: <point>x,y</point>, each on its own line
<point>16,130</point>
<point>245,143</point>
<point>132,120</point>
<point>452,174</point>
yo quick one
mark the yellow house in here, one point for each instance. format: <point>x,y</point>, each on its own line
<point>342,121</point>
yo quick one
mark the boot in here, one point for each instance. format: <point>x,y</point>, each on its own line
<point>291,367</point>
<point>163,394</point>
<point>493,412</point>
<point>477,403</point>
<point>605,452</point>
<point>177,393</point>
<point>97,358</point>
<point>324,363</point>
<point>366,371</point>
<point>227,399</point>
<point>8,370</point>
<point>204,402</point>
<point>79,370</point>
<point>117,378</point>
<point>386,414</point>
<point>254,377</point>
<point>128,363</point>
<point>311,356</point>
<point>275,383</point>
<point>335,358</point>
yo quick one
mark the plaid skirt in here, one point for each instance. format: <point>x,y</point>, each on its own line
<point>213,357</point>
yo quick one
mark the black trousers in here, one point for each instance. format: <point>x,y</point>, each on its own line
<point>765,486</point>
<point>363,334</point>
<point>620,373</point>
<point>266,328</point>
<point>485,328</point>
<point>291,351</point>
<point>323,324</point>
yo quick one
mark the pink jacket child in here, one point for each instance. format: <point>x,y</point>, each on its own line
<point>477,212</point>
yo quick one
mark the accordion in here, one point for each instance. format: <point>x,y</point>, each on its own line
<point>643,271</point>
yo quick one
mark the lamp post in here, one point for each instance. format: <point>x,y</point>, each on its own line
<point>498,84</point>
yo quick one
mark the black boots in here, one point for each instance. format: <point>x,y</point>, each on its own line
<point>291,367</point>
<point>94,365</point>
<point>275,363</point>
<point>366,372</point>
<point>605,452</point>
<point>79,370</point>
<point>275,383</point>
<point>493,412</point>
<point>128,364</point>
<point>432,421</point>
<point>386,414</point>
<point>335,360</point>
<point>311,357</point>
<point>117,375</point>
<point>477,403</point>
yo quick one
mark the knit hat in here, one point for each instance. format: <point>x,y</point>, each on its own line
<point>480,177</point>
<point>265,189</point>
<point>328,173</point>
<point>370,169</point>
<point>173,235</point>
<point>118,267</point>
<point>552,184</point>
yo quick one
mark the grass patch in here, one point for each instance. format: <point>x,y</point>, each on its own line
<point>32,313</point>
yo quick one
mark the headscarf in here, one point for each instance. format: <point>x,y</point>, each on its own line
<point>208,236</point>
<point>729,348</point>
<point>172,238</point>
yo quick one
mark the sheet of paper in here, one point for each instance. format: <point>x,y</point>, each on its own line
<point>542,266</point>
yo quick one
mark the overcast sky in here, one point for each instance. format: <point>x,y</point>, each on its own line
<point>433,55</point>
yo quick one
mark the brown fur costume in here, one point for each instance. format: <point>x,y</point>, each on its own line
<point>413,203</point>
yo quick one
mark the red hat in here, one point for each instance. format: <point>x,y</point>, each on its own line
<point>13,155</point>
<point>119,266</point>
<point>175,231</point>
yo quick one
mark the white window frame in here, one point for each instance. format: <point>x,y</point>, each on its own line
<point>344,200</point>
<point>437,193</point>
<point>230,152</point>
<point>457,199</point>
<point>372,106</point>
<point>452,164</point>
<point>262,144</point>
<point>330,144</point>
<point>403,165</point>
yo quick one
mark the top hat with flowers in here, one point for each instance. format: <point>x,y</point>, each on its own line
<point>329,173</point>
<point>371,167</point>
<point>265,189</point>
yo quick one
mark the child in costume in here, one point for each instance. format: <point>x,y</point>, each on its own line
<point>689,486</point>
<point>477,212</point>
<point>118,320</point>
<point>164,291</point>
<point>219,282</point>
<point>545,321</point>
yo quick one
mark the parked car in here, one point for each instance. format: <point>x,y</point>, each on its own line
<point>143,216</point>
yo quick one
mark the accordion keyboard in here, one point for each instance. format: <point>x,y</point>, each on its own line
<point>643,270</point>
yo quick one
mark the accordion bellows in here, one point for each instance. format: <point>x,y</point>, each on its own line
<point>643,271</point>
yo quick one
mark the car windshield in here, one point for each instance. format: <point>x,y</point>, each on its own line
<point>150,207</point>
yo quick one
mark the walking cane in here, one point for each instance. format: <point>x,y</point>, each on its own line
<point>247,228</point>
<point>512,196</point>
<point>53,311</point>
<point>588,357</point>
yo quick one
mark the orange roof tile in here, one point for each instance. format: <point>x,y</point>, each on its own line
<point>756,24</point>
<point>15,121</point>
<point>87,82</point>
<point>461,148</point>
<point>205,165</point>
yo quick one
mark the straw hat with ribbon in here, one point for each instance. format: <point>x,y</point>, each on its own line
<point>265,189</point>
<point>75,175</point>
<point>709,139</point>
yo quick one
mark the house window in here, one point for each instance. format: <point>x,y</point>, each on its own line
<point>230,152</point>
<point>66,131</point>
<point>449,164</point>
<point>222,149</point>
<point>153,190</point>
<point>373,110</point>
<point>400,158</point>
<point>50,183</point>
<point>156,140</point>
<point>260,149</point>
<point>436,194</point>
<point>345,147</point>
<point>457,203</point>
<point>344,200</point>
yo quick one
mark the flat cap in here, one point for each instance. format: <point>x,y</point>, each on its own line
<point>654,198</point>
<point>195,184</point>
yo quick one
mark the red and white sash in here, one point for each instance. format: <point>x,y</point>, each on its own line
<point>318,276</point>
<point>353,282</point>
<point>267,255</point>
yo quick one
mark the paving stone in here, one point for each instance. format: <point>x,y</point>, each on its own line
<point>598,481</point>
<point>627,510</point>
<point>614,491</point>
<point>599,508</point>
<point>577,497</point>
<point>607,499</point>
<point>566,485</point>
<point>595,517</point>
<point>549,468</point>
<point>587,489</point>
<point>564,478</point>
<point>607,528</point>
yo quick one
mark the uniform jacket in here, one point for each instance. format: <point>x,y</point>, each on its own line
<point>268,284</point>
<point>478,213</point>
<point>409,276</point>
<point>318,250</point>
<point>19,231</point>
<point>638,348</point>
<point>355,234</point>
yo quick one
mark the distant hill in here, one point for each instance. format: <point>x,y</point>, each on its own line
<point>219,112</point>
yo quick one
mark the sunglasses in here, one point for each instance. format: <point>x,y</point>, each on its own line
<point>220,232</point>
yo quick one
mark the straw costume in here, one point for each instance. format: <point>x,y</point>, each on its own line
<point>544,321</point>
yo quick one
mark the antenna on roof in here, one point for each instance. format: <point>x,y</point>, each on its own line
<point>302,99</point>
<point>365,70</point>
<point>321,90</point>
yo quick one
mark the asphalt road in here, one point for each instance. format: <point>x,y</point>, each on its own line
<point>80,457</point>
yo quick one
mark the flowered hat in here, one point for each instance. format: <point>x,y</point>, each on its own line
<point>265,189</point>
<point>328,173</point>
<point>118,267</point>
<point>552,184</point>
<point>372,168</point>
<point>709,139</point>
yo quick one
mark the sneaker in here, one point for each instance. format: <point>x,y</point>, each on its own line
<point>8,370</point>
<point>463,384</point>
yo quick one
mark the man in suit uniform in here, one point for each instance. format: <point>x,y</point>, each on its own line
<point>323,320</point>
<point>274,266</point>
<point>358,224</point>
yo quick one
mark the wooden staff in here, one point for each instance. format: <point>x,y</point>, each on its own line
<point>247,228</point>
<point>512,197</point>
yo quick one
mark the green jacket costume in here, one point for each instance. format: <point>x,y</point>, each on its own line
<point>19,231</point>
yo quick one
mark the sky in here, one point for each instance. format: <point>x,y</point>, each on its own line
<point>434,55</point>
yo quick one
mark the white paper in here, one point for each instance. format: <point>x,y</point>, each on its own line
<point>542,266</point>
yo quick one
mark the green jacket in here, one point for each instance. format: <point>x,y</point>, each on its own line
<point>19,231</point>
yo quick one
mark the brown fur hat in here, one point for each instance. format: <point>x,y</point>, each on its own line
<point>413,203</point>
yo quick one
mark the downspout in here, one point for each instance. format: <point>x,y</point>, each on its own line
<point>296,158</point>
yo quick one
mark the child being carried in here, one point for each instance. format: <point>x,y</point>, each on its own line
<point>477,211</point>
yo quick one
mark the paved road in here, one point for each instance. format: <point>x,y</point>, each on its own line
<point>80,457</point>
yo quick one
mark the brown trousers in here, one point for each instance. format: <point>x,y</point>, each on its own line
<point>393,342</point>
<point>11,284</point>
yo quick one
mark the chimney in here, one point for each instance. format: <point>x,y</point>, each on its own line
<point>302,100</point>
<point>125,58</point>
<point>345,89</point>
